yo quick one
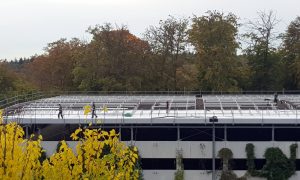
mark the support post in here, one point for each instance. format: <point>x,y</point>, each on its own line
<point>213,120</point>
<point>131,133</point>
<point>214,153</point>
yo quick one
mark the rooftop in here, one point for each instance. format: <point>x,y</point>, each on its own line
<point>240,108</point>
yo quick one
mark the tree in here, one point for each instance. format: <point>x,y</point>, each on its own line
<point>113,60</point>
<point>53,70</point>
<point>261,52</point>
<point>187,77</point>
<point>11,82</point>
<point>7,78</point>
<point>291,54</point>
<point>214,38</point>
<point>99,155</point>
<point>168,42</point>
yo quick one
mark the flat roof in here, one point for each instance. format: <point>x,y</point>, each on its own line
<point>240,108</point>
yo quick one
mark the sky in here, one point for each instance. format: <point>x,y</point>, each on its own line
<point>27,26</point>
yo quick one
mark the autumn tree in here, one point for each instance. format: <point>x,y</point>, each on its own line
<point>214,38</point>
<point>113,60</point>
<point>171,56</point>
<point>168,42</point>
<point>53,69</point>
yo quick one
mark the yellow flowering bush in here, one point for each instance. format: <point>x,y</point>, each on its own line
<point>19,158</point>
<point>99,155</point>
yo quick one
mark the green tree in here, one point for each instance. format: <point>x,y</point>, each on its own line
<point>262,52</point>
<point>113,60</point>
<point>214,38</point>
<point>7,78</point>
<point>11,82</point>
<point>291,54</point>
<point>168,42</point>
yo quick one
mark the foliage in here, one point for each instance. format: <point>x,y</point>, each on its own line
<point>138,164</point>
<point>58,146</point>
<point>11,82</point>
<point>214,38</point>
<point>291,54</point>
<point>90,160</point>
<point>43,156</point>
<point>168,42</point>
<point>177,54</point>
<point>226,154</point>
<point>277,167</point>
<point>59,55</point>
<point>261,52</point>
<point>19,158</point>
<point>179,174</point>
<point>293,151</point>
<point>6,79</point>
<point>293,157</point>
<point>227,174</point>
<point>250,158</point>
<point>99,155</point>
<point>113,60</point>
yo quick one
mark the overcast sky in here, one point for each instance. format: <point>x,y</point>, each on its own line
<point>26,26</point>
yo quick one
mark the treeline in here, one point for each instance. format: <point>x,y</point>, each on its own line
<point>207,53</point>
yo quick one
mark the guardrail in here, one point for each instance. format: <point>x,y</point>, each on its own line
<point>21,98</point>
<point>7,102</point>
<point>56,93</point>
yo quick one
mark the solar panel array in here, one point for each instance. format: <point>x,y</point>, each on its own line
<point>117,102</point>
<point>141,106</point>
<point>251,102</point>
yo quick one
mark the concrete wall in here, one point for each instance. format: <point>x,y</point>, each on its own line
<point>195,175</point>
<point>191,149</point>
<point>198,149</point>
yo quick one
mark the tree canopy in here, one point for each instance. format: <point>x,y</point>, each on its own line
<point>207,53</point>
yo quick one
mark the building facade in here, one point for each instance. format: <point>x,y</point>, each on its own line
<point>163,125</point>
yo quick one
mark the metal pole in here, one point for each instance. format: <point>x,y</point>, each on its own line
<point>131,134</point>
<point>213,153</point>
<point>27,133</point>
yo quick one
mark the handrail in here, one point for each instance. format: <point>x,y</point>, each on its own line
<point>45,94</point>
<point>56,93</point>
<point>4,103</point>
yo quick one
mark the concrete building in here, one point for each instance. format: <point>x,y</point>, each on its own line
<point>161,125</point>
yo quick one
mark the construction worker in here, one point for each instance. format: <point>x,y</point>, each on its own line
<point>60,111</point>
<point>94,110</point>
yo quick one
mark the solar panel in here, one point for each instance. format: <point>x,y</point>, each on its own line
<point>155,106</point>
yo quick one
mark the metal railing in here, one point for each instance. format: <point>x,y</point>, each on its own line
<point>10,101</point>
<point>55,93</point>
<point>153,113</point>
